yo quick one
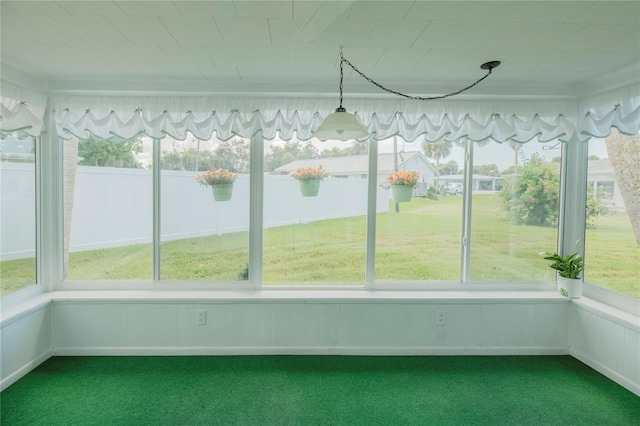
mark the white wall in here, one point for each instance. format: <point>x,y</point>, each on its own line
<point>310,327</point>
<point>88,324</point>
<point>25,342</point>
<point>606,339</point>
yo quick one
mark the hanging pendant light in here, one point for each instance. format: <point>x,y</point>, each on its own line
<point>343,126</point>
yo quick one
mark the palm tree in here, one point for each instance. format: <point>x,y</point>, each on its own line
<point>437,151</point>
<point>624,154</point>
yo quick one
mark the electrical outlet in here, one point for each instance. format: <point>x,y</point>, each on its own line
<point>440,318</point>
<point>201,317</point>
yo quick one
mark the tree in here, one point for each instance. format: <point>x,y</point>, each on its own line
<point>437,151</point>
<point>449,168</point>
<point>486,169</point>
<point>233,156</point>
<point>531,195</point>
<point>624,154</point>
<point>274,159</point>
<point>187,160</point>
<point>109,153</point>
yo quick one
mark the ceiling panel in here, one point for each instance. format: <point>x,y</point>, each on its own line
<point>549,47</point>
<point>380,9</point>
<point>265,9</point>
<point>438,10</point>
<point>142,30</point>
<point>238,31</point>
<point>624,13</point>
<point>92,30</point>
<point>89,8</point>
<point>148,8</point>
<point>34,8</point>
<point>395,33</point>
<point>446,34</point>
<point>193,31</point>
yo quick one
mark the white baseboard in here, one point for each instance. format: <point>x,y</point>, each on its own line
<point>24,370</point>
<point>606,371</point>
<point>299,350</point>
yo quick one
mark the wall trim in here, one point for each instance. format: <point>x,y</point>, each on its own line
<point>24,370</point>
<point>605,371</point>
<point>303,350</point>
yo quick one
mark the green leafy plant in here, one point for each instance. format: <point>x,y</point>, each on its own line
<point>569,266</point>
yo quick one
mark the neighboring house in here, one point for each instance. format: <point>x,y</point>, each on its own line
<point>356,166</point>
<point>480,182</point>
<point>602,178</point>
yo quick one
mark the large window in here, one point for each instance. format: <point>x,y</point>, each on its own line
<point>612,242</point>
<point>315,209</point>
<point>108,211</point>
<point>515,207</point>
<point>419,239</point>
<point>204,212</point>
<point>17,211</point>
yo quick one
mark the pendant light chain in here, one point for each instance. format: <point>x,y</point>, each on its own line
<point>488,66</point>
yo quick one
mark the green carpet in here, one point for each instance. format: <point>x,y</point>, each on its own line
<point>317,390</point>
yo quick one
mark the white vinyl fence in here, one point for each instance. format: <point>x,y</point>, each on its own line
<point>113,207</point>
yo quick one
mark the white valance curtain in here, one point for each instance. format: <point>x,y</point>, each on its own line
<point>285,117</point>
<point>21,109</point>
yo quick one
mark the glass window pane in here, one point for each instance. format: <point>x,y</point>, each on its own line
<point>107,209</point>
<point>315,238</point>
<point>17,211</point>
<point>515,209</point>
<point>419,239</point>
<point>204,211</point>
<point>612,242</point>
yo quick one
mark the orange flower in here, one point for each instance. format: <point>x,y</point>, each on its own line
<point>404,177</point>
<point>216,177</point>
<point>306,173</point>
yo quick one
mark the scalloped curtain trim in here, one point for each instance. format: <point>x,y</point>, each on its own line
<point>287,117</point>
<point>21,109</point>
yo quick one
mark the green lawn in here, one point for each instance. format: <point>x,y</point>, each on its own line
<point>421,242</point>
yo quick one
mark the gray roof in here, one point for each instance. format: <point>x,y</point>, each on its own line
<point>350,164</point>
<point>475,177</point>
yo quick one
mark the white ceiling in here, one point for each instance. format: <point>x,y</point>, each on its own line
<point>419,47</point>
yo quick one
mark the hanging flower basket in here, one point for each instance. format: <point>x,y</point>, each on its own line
<point>309,178</point>
<point>222,191</point>
<point>402,193</point>
<point>221,183</point>
<point>402,184</point>
<point>310,187</point>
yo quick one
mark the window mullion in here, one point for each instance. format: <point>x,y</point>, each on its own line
<point>467,193</point>
<point>256,203</point>
<point>156,209</point>
<point>371,212</point>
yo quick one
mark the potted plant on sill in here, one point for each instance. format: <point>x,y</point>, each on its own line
<point>569,269</point>
<point>221,183</point>
<point>309,178</point>
<point>402,184</point>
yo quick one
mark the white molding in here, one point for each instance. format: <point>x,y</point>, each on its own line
<point>303,350</point>
<point>24,370</point>
<point>602,369</point>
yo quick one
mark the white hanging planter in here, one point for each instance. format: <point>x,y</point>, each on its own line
<point>570,287</point>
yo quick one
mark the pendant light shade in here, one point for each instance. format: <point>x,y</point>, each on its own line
<point>344,126</point>
<point>341,126</point>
